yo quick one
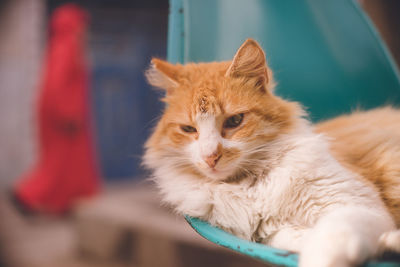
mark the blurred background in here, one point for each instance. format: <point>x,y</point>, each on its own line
<point>124,225</point>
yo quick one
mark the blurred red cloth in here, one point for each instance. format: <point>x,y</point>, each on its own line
<point>67,168</point>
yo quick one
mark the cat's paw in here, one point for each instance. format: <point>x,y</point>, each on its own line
<point>390,241</point>
<point>334,251</point>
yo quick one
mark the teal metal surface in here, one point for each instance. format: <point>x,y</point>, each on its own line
<point>325,54</point>
<point>175,31</point>
<point>264,253</point>
<point>259,251</point>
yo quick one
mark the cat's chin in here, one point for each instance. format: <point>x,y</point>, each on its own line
<point>217,174</point>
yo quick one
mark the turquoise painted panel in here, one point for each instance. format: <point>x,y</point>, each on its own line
<point>259,251</point>
<point>324,53</point>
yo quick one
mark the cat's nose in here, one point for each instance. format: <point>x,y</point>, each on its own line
<point>212,159</point>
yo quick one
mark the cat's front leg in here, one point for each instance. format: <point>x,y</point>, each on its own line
<point>346,236</point>
<point>390,241</point>
<point>289,238</point>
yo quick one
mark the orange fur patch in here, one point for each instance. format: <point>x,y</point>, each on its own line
<point>369,144</point>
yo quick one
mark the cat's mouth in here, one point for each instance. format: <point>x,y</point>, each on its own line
<point>218,173</point>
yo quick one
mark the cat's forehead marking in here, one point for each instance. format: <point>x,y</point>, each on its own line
<point>205,101</point>
<point>203,104</point>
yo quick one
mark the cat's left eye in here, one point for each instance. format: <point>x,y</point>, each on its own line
<point>234,121</point>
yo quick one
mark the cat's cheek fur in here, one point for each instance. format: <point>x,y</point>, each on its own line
<point>184,192</point>
<point>193,152</point>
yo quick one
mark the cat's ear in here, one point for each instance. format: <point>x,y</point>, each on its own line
<point>249,61</point>
<point>163,75</point>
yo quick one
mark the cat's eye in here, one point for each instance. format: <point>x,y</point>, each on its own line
<point>188,129</point>
<point>234,121</point>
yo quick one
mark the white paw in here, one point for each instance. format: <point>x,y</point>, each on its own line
<point>334,251</point>
<point>390,241</point>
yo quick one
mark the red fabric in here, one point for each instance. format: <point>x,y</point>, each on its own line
<point>67,169</point>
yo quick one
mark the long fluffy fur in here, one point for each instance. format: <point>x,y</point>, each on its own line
<point>330,193</point>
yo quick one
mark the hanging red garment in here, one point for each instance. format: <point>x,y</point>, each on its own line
<point>67,168</point>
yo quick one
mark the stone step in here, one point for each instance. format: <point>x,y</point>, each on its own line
<point>128,225</point>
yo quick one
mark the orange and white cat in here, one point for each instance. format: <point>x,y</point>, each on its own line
<point>228,151</point>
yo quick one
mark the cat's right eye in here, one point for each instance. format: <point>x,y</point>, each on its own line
<point>234,121</point>
<point>188,129</point>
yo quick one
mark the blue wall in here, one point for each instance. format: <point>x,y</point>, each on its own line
<point>123,40</point>
<point>123,36</point>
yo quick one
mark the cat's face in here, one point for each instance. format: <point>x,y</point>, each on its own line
<point>219,117</point>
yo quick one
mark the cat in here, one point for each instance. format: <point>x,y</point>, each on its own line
<point>229,151</point>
